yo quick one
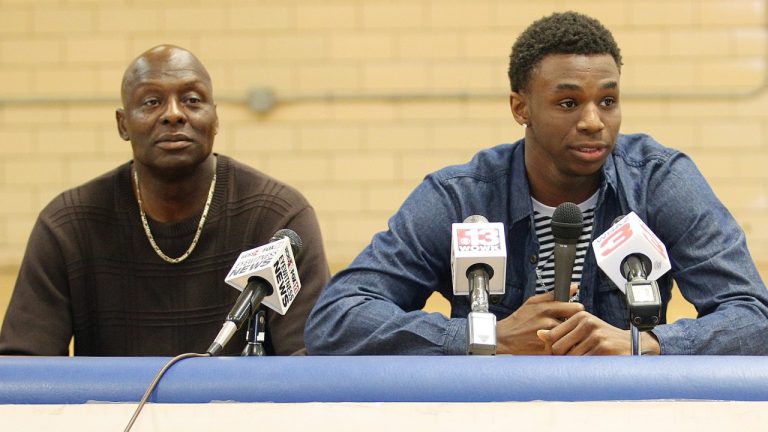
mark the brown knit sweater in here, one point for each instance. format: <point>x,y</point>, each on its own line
<point>90,272</point>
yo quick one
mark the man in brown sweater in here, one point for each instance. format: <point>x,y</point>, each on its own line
<point>133,262</point>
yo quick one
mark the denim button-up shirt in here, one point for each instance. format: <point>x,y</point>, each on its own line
<point>374,306</point>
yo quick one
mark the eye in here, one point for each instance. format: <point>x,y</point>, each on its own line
<point>609,101</point>
<point>568,104</point>
<point>151,102</point>
<point>192,98</point>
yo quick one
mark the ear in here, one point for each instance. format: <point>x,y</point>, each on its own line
<point>519,107</point>
<point>121,129</point>
<point>215,125</point>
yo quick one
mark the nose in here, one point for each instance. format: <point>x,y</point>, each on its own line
<point>590,121</point>
<point>173,113</point>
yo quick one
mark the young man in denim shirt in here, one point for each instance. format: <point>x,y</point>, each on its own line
<point>564,72</point>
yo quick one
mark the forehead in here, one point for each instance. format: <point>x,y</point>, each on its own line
<point>168,67</point>
<point>167,76</point>
<point>555,69</point>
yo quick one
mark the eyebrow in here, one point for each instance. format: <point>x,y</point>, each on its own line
<point>194,84</point>
<point>573,87</point>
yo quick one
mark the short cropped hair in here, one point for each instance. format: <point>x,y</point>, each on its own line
<point>559,33</point>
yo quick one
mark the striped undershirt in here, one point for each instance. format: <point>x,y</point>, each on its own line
<point>545,268</point>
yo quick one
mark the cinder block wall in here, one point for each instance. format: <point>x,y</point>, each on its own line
<point>352,127</point>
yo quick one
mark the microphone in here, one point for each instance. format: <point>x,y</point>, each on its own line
<point>476,242</point>
<point>567,224</point>
<point>630,236</point>
<point>478,253</point>
<point>265,275</point>
<point>634,266</point>
<point>633,258</point>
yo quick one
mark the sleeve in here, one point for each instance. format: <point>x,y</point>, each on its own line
<point>711,265</point>
<point>38,320</point>
<point>374,306</point>
<point>286,332</point>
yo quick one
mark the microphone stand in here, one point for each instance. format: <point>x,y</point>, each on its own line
<point>637,349</point>
<point>481,324</point>
<point>643,298</point>
<point>254,337</point>
<point>644,304</point>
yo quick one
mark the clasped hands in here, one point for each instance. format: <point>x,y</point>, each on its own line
<point>542,326</point>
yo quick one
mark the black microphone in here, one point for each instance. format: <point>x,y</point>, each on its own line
<point>567,224</point>
<point>261,283</point>
<point>636,265</point>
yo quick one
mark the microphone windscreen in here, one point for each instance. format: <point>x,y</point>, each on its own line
<point>476,219</point>
<point>292,237</point>
<point>636,264</point>
<point>567,221</point>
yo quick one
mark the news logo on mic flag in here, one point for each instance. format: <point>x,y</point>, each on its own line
<point>626,237</point>
<point>478,243</point>
<point>275,263</point>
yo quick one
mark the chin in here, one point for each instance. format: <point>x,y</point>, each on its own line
<point>588,171</point>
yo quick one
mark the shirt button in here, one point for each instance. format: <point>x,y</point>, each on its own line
<point>534,258</point>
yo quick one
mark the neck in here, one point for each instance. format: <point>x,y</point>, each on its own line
<point>575,190</point>
<point>174,199</point>
<point>551,187</point>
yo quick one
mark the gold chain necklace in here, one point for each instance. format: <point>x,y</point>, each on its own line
<point>147,231</point>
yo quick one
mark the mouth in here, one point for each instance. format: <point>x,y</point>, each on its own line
<point>590,152</point>
<point>174,142</point>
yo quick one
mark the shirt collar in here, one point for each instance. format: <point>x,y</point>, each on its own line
<point>520,204</point>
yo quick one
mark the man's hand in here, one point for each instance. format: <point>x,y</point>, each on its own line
<point>586,334</point>
<point>516,334</point>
